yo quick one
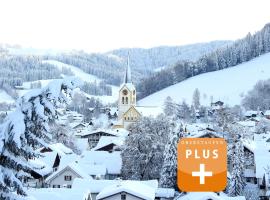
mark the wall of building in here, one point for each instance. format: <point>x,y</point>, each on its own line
<point>60,179</point>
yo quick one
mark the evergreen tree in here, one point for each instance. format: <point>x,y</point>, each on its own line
<point>196,99</point>
<point>169,106</point>
<point>25,130</point>
<point>169,168</point>
<point>237,158</point>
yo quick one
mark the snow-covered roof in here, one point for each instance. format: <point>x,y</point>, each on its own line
<point>96,186</point>
<point>107,140</point>
<point>60,148</point>
<point>135,188</point>
<point>48,158</point>
<point>112,161</point>
<point>249,113</point>
<point>165,192</point>
<point>267,112</point>
<point>262,158</point>
<point>57,194</point>
<point>73,167</point>
<point>129,86</point>
<point>208,195</point>
<point>66,159</point>
<point>40,167</point>
<point>247,123</point>
<point>148,111</point>
<point>108,131</point>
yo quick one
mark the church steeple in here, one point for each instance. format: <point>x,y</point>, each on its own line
<point>127,78</point>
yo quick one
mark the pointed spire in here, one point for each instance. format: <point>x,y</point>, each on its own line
<point>128,72</point>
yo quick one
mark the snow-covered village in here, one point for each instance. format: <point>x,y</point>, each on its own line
<point>96,99</point>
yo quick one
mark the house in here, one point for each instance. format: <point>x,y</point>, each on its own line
<point>64,177</point>
<point>79,127</point>
<point>252,114</point>
<point>217,105</point>
<point>127,190</point>
<point>111,160</point>
<point>109,143</point>
<point>58,194</point>
<point>93,137</point>
<point>267,114</point>
<point>262,164</point>
<point>131,188</point>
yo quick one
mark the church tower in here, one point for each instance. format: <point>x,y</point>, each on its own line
<point>127,93</point>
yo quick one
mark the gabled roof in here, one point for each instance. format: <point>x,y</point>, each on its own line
<point>134,188</point>
<point>106,131</point>
<point>107,140</point>
<point>73,167</point>
<point>267,112</point>
<point>132,108</point>
<point>96,186</point>
<point>112,161</point>
<point>128,86</point>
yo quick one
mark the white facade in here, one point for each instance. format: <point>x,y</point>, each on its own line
<point>63,178</point>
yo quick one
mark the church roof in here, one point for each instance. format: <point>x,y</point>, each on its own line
<point>129,86</point>
<point>127,78</point>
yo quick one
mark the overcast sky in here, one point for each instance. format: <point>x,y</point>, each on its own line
<point>102,25</point>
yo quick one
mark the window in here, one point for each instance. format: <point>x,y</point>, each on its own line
<point>68,186</point>
<point>56,186</point>
<point>123,100</point>
<point>132,118</point>
<point>123,196</point>
<point>68,178</point>
<point>248,179</point>
<point>128,118</point>
<point>125,118</point>
<point>126,100</point>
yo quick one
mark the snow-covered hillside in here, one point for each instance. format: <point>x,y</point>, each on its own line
<point>5,98</point>
<point>78,72</point>
<point>228,85</point>
<point>87,78</point>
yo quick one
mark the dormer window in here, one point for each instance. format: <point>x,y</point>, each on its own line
<point>123,100</point>
<point>126,100</point>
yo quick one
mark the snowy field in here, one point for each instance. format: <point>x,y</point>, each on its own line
<point>228,85</point>
<point>77,71</point>
<point>5,98</point>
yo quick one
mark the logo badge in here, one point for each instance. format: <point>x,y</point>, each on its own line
<point>202,164</point>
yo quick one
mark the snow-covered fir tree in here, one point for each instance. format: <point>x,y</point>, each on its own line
<point>237,159</point>
<point>196,99</point>
<point>169,106</point>
<point>169,168</point>
<point>25,130</point>
<point>142,155</point>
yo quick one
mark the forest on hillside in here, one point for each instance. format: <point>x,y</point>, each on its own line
<point>236,53</point>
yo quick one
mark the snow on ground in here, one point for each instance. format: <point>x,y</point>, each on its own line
<point>5,98</point>
<point>228,85</point>
<point>77,71</point>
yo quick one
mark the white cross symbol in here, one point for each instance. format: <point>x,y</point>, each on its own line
<point>202,174</point>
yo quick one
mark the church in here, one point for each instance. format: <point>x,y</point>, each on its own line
<point>128,111</point>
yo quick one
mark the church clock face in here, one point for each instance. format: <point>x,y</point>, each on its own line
<point>125,92</point>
